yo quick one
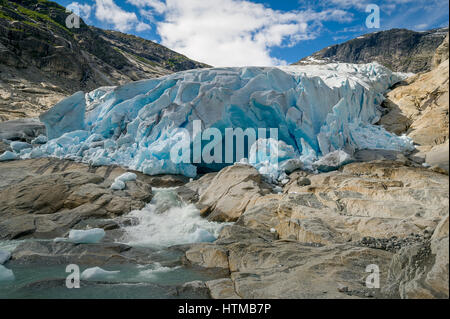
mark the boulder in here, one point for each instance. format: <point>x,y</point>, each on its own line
<point>230,191</point>
<point>317,238</point>
<point>64,253</point>
<point>47,201</point>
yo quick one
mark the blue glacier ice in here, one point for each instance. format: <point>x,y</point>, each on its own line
<point>4,256</point>
<point>8,156</point>
<point>317,109</point>
<point>6,274</point>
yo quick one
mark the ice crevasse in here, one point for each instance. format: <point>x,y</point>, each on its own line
<point>317,109</point>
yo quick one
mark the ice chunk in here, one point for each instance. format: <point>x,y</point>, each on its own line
<point>8,156</point>
<point>119,182</point>
<point>126,177</point>
<point>118,185</point>
<point>17,146</point>
<point>332,160</point>
<point>90,236</point>
<point>65,116</point>
<point>4,256</point>
<point>6,274</point>
<point>41,139</point>
<point>98,274</point>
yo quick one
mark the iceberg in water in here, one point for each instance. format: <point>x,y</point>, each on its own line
<point>6,274</point>
<point>317,110</point>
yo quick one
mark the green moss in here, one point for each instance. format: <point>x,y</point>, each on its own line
<point>144,60</point>
<point>4,16</point>
<point>39,16</point>
<point>31,23</point>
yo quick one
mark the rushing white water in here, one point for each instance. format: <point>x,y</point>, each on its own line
<point>167,221</point>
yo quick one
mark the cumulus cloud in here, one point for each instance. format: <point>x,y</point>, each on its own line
<point>109,12</point>
<point>82,10</point>
<point>141,26</point>
<point>156,5</point>
<point>234,32</point>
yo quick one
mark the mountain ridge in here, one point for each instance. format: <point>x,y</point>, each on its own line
<point>42,61</point>
<point>401,50</point>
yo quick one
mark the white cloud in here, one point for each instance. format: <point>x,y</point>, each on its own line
<point>156,5</point>
<point>358,4</point>
<point>235,32</point>
<point>107,11</point>
<point>141,26</point>
<point>82,10</point>
<point>421,26</point>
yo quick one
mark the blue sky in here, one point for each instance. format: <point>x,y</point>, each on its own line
<point>241,32</point>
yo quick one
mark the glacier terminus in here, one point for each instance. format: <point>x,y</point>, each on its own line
<point>319,111</point>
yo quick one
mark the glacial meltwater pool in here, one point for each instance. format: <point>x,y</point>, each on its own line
<point>166,221</point>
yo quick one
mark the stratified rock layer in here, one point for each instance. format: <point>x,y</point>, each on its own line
<point>316,239</point>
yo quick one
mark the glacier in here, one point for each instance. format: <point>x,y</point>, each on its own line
<point>317,109</point>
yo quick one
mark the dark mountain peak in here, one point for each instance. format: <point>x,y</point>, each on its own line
<point>399,49</point>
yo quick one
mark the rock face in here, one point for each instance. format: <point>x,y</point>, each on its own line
<point>45,198</point>
<point>422,270</point>
<point>230,191</point>
<point>398,49</point>
<point>419,108</point>
<point>62,253</point>
<point>42,61</point>
<point>441,53</point>
<point>316,239</point>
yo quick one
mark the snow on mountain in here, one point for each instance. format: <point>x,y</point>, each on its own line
<point>317,109</point>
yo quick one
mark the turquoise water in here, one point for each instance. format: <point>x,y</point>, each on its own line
<point>162,223</point>
<point>132,282</point>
